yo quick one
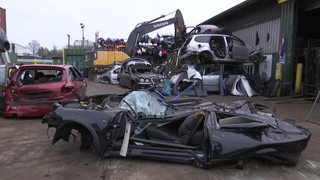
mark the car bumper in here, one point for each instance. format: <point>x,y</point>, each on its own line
<point>148,85</point>
<point>27,109</point>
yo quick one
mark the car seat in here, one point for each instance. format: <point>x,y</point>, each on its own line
<point>185,132</point>
<point>26,78</point>
<point>40,77</point>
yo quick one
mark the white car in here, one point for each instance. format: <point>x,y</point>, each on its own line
<point>111,76</point>
<point>213,47</point>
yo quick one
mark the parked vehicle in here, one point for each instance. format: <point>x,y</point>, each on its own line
<point>34,88</point>
<point>213,47</point>
<point>144,124</point>
<point>136,73</point>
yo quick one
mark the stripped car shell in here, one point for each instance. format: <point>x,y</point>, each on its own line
<point>143,124</point>
<point>35,87</point>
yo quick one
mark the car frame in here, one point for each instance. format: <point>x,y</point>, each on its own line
<point>209,80</point>
<point>33,89</point>
<point>136,73</point>
<point>207,48</point>
<point>144,124</point>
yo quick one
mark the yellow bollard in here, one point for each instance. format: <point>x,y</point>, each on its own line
<point>297,88</point>
<point>279,69</point>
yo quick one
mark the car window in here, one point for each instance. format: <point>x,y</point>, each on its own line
<point>203,39</point>
<point>72,74</point>
<point>116,71</point>
<point>39,75</point>
<point>77,73</point>
<point>237,41</point>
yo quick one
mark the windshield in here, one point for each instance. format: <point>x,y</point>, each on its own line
<point>143,101</point>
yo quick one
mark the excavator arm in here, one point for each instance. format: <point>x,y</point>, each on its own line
<point>152,25</point>
<point>4,43</point>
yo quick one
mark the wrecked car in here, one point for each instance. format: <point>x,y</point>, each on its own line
<point>207,48</point>
<point>111,76</point>
<point>33,89</point>
<point>143,124</point>
<point>136,73</point>
<point>210,77</point>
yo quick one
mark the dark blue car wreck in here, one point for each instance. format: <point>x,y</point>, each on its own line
<point>144,124</point>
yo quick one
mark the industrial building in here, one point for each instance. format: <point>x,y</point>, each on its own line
<point>288,34</point>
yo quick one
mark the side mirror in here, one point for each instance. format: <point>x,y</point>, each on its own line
<point>199,45</point>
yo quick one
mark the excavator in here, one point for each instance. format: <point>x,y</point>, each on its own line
<point>105,54</point>
<point>149,26</point>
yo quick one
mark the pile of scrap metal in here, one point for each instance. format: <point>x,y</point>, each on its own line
<point>111,44</point>
<point>226,79</point>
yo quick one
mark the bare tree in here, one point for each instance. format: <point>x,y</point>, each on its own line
<point>34,46</point>
<point>43,51</point>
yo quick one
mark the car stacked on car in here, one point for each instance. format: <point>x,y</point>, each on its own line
<point>213,47</point>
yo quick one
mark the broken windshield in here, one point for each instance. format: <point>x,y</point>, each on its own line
<point>145,102</point>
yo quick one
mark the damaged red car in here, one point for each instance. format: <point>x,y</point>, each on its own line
<point>34,88</point>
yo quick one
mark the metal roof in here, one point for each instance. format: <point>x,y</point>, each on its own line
<point>232,10</point>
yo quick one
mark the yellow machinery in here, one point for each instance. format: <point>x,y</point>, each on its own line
<point>105,57</point>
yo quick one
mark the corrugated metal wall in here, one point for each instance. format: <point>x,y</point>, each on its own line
<point>268,34</point>
<point>261,17</point>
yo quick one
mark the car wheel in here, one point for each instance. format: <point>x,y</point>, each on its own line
<point>109,81</point>
<point>200,164</point>
<point>133,86</point>
<point>205,57</point>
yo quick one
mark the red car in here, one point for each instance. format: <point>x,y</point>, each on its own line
<point>34,88</point>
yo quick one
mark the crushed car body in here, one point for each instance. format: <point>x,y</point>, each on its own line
<point>144,124</point>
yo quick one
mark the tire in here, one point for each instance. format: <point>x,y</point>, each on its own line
<point>133,86</point>
<point>205,58</point>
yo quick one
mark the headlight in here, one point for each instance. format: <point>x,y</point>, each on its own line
<point>141,80</point>
<point>147,80</point>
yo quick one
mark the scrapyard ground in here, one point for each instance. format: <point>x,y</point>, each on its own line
<point>27,152</point>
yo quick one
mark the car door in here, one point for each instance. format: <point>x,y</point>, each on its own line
<point>114,74</point>
<point>122,76</point>
<point>210,78</point>
<point>233,71</point>
<point>79,83</point>
<point>240,51</point>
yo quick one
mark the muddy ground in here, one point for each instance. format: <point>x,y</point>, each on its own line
<point>26,151</point>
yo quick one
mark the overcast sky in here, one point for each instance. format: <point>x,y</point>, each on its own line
<point>49,21</point>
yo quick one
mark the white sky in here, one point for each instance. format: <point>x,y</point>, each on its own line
<point>49,21</point>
